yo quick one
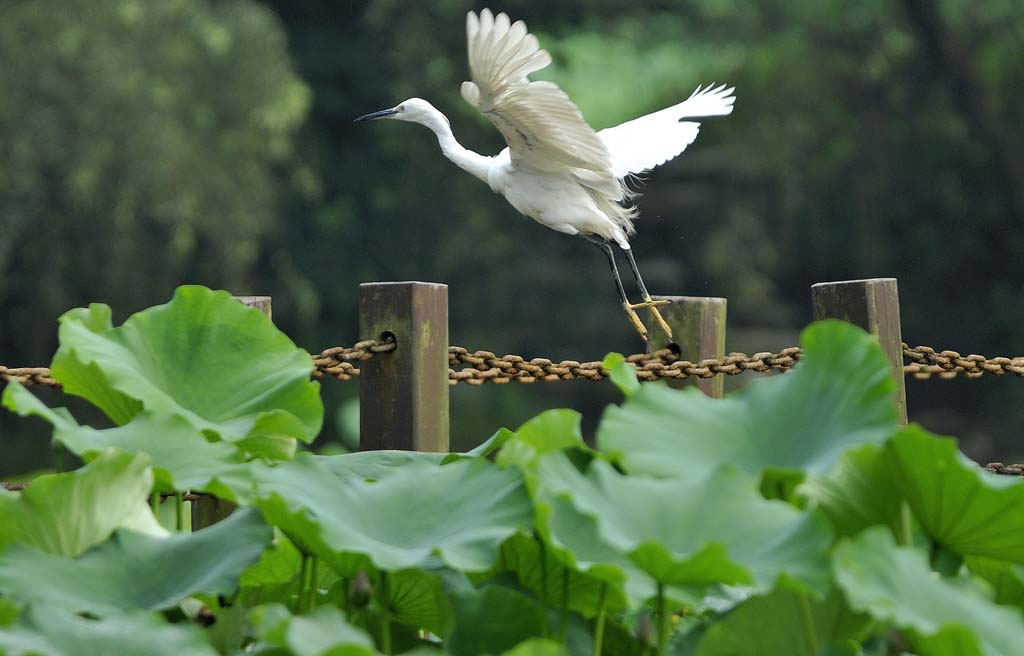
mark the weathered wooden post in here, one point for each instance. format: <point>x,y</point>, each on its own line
<point>403,394</point>
<point>874,305</point>
<point>207,509</point>
<point>698,329</point>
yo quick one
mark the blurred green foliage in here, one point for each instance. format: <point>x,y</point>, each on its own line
<point>145,145</point>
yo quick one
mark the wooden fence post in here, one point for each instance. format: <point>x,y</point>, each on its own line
<point>874,305</point>
<point>208,510</point>
<point>698,329</point>
<point>403,395</point>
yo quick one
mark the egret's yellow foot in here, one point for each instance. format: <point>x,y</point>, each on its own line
<point>652,305</point>
<point>635,320</point>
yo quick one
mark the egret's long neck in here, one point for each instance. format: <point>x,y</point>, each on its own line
<point>465,159</point>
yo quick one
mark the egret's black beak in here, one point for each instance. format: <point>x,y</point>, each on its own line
<point>375,115</point>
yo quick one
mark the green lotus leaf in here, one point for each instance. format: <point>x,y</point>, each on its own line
<point>961,507</point>
<point>322,631</point>
<point>555,576</point>
<point>1007,579</point>
<point>9,612</point>
<point>375,465</point>
<point>181,456</point>
<point>861,491</point>
<point>203,356</point>
<point>895,584</point>
<point>538,647</point>
<point>460,512</point>
<point>700,532</point>
<point>65,514</point>
<point>274,578</point>
<point>800,422</point>
<point>783,623</point>
<point>417,599</point>
<point>487,447</point>
<point>58,632</point>
<point>622,373</point>
<point>133,571</point>
<point>492,619</point>
<point>551,430</point>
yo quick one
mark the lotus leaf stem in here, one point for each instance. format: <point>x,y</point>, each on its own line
<point>297,608</point>
<point>314,583</point>
<point>385,623</point>
<point>599,622</point>
<point>664,625</point>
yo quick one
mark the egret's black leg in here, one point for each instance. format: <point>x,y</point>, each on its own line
<point>607,248</point>
<point>633,318</point>
<point>636,274</point>
<point>648,301</point>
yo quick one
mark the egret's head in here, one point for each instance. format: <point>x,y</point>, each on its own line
<point>416,110</point>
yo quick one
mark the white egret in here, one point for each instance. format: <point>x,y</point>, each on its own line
<point>557,170</point>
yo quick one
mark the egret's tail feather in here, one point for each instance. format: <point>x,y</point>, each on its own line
<point>709,101</point>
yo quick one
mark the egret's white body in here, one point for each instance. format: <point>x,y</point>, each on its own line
<point>556,169</point>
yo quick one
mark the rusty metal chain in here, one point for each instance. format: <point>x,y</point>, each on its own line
<point>479,367</point>
<point>337,361</point>
<point>926,361</point>
<point>28,376</point>
<point>1005,470</point>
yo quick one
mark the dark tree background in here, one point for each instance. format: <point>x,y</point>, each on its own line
<point>145,145</point>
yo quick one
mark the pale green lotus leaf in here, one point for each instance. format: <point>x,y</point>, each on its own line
<point>788,425</point>
<point>58,632</point>
<point>460,513</point>
<point>65,514</point>
<point>204,356</point>
<point>133,571</point>
<point>895,584</point>
<point>181,456</point>
<point>695,533</point>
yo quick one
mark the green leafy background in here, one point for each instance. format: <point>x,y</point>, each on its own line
<point>793,517</point>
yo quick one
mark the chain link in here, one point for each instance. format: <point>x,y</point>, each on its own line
<point>479,367</point>
<point>926,361</point>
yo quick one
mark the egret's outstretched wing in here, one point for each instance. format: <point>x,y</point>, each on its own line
<point>543,127</point>
<point>643,143</point>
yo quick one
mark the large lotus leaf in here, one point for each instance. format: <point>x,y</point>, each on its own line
<point>322,631</point>
<point>375,465</point>
<point>961,507</point>
<point>861,491</point>
<point>702,532</point>
<point>135,571</point>
<point>895,584</point>
<point>275,577</point>
<point>551,430</point>
<point>461,512</point>
<point>9,612</point>
<point>181,456</point>
<point>56,632</point>
<point>417,599</point>
<point>1007,579</point>
<point>66,514</point>
<point>840,395</point>
<point>783,623</point>
<point>492,619</point>
<point>538,647</point>
<point>555,576</point>
<point>204,356</point>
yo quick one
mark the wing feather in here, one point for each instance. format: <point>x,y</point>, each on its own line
<point>649,141</point>
<point>543,127</point>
